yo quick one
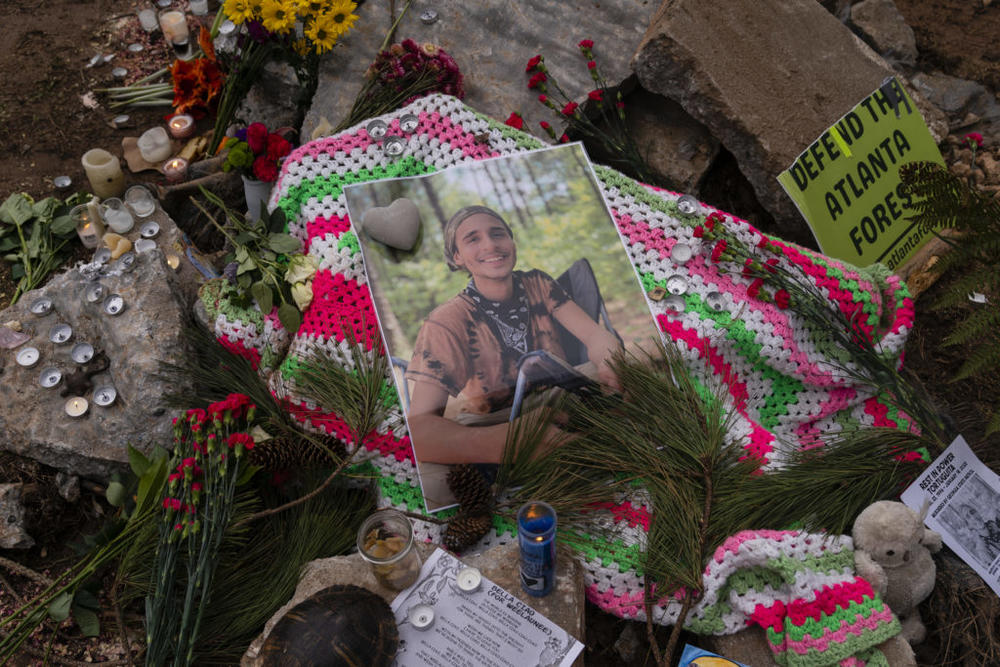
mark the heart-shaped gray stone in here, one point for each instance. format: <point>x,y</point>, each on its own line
<point>396,225</point>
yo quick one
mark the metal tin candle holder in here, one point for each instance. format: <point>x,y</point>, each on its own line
<point>715,301</point>
<point>62,182</point>
<point>677,284</point>
<point>41,306</point>
<point>76,406</point>
<point>469,579</point>
<point>102,255</point>
<point>393,146</point>
<point>688,205</point>
<point>376,129</point>
<point>421,617</point>
<point>428,16</point>
<point>60,333</point>
<point>105,395</point>
<point>94,292</point>
<point>50,377</point>
<point>149,230</point>
<point>126,262</point>
<point>681,253</point>
<point>675,303</point>
<point>536,537</point>
<point>114,305</point>
<point>28,357</point>
<point>82,353</point>
<point>144,245</point>
<point>409,122</point>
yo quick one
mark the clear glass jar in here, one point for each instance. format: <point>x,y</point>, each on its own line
<point>385,541</point>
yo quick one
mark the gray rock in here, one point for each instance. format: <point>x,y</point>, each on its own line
<point>757,75</point>
<point>628,646</point>
<point>564,606</point>
<point>886,30</point>
<point>148,332</point>
<point>958,98</point>
<point>69,486</point>
<point>491,41</point>
<point>274,99</point>
<point>12,532</point>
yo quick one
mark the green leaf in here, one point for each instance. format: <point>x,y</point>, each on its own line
<point>44,209</point>
<point>283,243</point>
<point>17,271</point>
<point>245,267</point>
<point>241,254</point>
<point>60,606</point>
<point>34,243</point>
<point>16,210</point>
<point>246,474</point>
<point>265,298</point>
<point>116,494</point>
<point>244,281</point>
<point>90,625</point>
<point>290,317</point>
<point>63,225</point>
<point>86,599</point>
<point>8,243</point>
<point>137,461</point>
<point>151,485</point>
<point>241,240</point>
<point>276,221</point>
<point>268,256</point>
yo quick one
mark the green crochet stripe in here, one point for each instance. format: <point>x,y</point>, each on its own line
<point>641,195</point>
<point>784,389</point>
<point>333,185</point>
<point>289,368</point>
<point>828,563</point>
<point>836,650</point>
<point>522,139</point>
<point>349,240</point>
<point>626,557</point>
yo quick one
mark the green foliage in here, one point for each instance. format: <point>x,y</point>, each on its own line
<point>35,237</point>
<point>945,201</point>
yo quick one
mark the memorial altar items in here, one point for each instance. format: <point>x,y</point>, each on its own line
<point>104,172</point>
<point>385,542</point>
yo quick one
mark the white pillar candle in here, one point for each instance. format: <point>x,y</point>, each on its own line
<point>173,23</point>
<point>154,145</point>
<point>104,172</point>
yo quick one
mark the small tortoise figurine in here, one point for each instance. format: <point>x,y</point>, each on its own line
<point>339,626</point>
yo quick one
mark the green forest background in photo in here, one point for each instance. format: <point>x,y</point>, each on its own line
<point>551,202</point>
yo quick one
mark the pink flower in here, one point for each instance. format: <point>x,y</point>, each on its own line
<point>537,79</point>
<point>586,44</point>
<point>257,138</point>
<point>720,247</point>
<point>596,95</point>
<point>277,147</point>
<point>570,108</point>
<point>754,288</point>
<point>974,137</point>
<point>781,299</point>
<point>515,121</point>
<point>264,169</point>
<point>533,63</point>
<point>591,64</point>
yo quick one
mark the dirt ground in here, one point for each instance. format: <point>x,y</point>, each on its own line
<point>45,128</point>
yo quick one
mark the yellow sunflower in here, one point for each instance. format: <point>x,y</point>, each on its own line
<point>311,8</point>
<point>321,33</point>
<point>343,19</point>
<point>238,11</point>
<point>278,16</point>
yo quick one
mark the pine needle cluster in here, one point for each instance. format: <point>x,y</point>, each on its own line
<point>946,201</point>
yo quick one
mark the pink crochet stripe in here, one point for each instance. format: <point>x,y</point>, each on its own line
<point>626,606</point>
<point>387,445</point>
<point>827,602</point>
<point>456,136</point>
<point>329,146</point>
<point>635,516</point>
<point>338,303</point>
<point>820,644</point>
<point>852,662</point>
<point>720,367</point>
<point>732,544</point>
<point>237,348</point>
<point>837,399</point>
<point>321,226</point>
<point>655,238</point>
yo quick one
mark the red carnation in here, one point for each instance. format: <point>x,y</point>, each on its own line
<point>570,108</point>
<point>747,267</point>
<point>713,218</point>
<point>264,169</point>
<point>974,137</point>
<point>586,44</point>
<point>719,248</point>
<point>699,231</point>
<point>545,125</point>
<point>537,79</point>
<point>596,95</point>
<point>754,288</point>
<point>257,137</point>
<point>277,147</point>
<point>591,64</point>
<point>564,139</point>
<point>533,63</point>
<point>770,265</point>
<point>515,121</point>
<point>781,299</point>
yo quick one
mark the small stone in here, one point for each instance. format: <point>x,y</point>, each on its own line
<point>69,486</point>
<point>12,532</point>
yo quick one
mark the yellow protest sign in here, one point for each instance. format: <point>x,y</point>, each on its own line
<point>847,186</point>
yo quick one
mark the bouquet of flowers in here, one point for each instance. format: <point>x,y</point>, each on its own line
<point>400,74</point>
<point>295,31</point>
<point>255,153</point>
<point>197,82</point>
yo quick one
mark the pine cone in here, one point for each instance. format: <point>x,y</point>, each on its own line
<point>469,486</point>
<point>294,452</point>
<point>466,529</point>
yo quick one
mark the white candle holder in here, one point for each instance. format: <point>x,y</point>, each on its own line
<point>154,145</point>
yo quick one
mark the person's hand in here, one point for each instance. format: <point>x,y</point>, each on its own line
<point>601,347</point>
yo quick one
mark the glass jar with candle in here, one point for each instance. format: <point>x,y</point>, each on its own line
<point>116,215</point>
<point>104,172</point>
<point>89,227</point>
<point>385,541</point>
<point>536,537</point>
<point>147,19</point>
<point>199,7</point>
<point>140,200</point>
<point>175,169</point>
<point>181,126</point>
<point>154,145</point>
<point>173,23</point>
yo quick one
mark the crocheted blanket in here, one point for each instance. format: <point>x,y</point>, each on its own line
<point>784,390</point>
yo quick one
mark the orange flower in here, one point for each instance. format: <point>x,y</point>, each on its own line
<point>205,42</point>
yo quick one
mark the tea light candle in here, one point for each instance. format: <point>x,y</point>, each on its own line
<point>154,145</point>
<point>50,377</point>
<point>181,126</point>
<point>82,353</point>
<point>102,255</point>
<point>41,306</point>
<point>421,616</point>
<point>140,200</point>
<point>126,262</point>
<point>149,230</point>
<point>114,305</point>
<point>94,293</point>
<point>173,261</point>
<point>175,169</point>
<point>105,395</point>
<point>199,7</point>
<point>76,406</point>
<point>144,245</point>
<point>104,172</point>
<point>147,19</point>
<point>28,357</point>
<point>60,333</point>
<point>468,579</point>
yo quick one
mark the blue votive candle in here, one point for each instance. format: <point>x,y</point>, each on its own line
<point>536,536</point>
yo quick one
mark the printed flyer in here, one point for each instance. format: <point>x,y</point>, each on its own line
<point>487,627</point>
